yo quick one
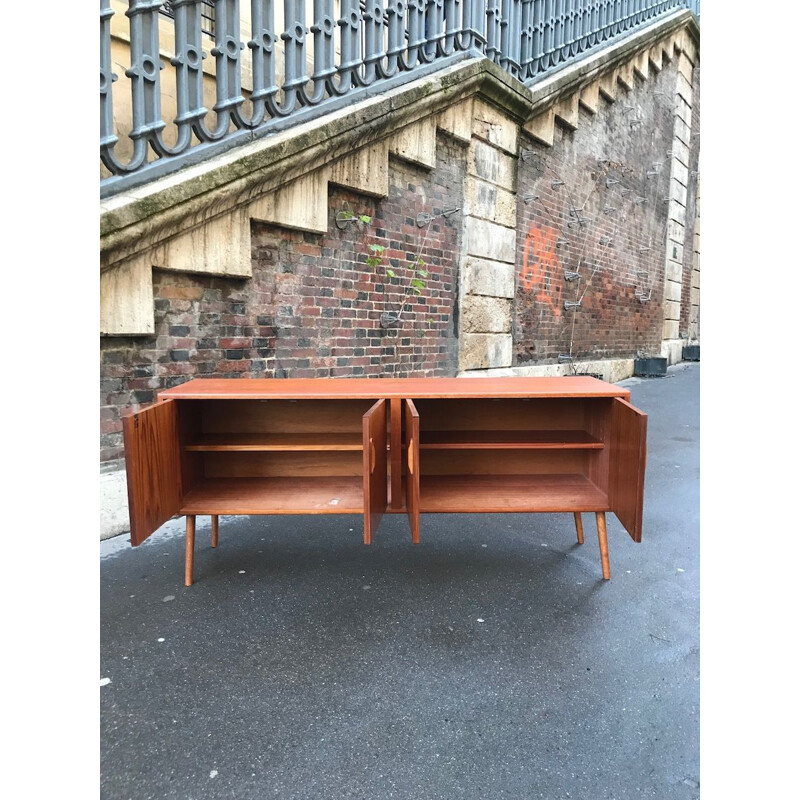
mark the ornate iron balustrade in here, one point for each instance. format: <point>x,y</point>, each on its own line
<point>352,48</point>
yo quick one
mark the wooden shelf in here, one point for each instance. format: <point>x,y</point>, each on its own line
<point>263,442</point>
<point>324,495</point>
<point>508,440</point>
<point>499,493</point>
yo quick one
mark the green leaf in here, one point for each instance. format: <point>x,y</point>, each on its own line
<point>417,290</point>
<point>422,273</point>
<point>390,273</point>
<point>417,283</point>
<point>421,261</point>
<point>377,248</point>
<point>365,219</point>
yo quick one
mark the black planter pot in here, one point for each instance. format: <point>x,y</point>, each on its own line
<point>650,367</point>
<point>691,352</point>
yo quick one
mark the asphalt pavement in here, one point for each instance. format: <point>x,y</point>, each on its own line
<point>490,661</point>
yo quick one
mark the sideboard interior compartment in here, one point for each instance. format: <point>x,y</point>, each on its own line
<point>512,455</point>
<point>277,456</point>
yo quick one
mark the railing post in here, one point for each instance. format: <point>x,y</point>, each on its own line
<point>262,48</point>
<point>493,17</point>
<point>188,63</point>
<point>107,77</point>
<point>510,36</point>
<point>350,24</point>
<point>526,39</point>
<point>416,33</point>
<point>145,70</point>
<point>396,25</point>
<point>324,67</point>
<point>226,50</point>
<point>373,41</point>
<point>294,39</point>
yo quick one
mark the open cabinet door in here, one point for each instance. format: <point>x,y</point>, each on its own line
<point>412,469</point>
<point>374,430</point>
<point>628,446</point>
<point>153,466</point>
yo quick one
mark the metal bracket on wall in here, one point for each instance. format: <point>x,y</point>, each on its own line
<point>570,275</point>
<point>571,305</point>
<point>561,242</point>
<point>529,155</point>
<point>564,358</point>
<point>529,198</point>
<point>344,217</point>
<point>578,223</point>
<point>556,183</point>
<point>424,218</point>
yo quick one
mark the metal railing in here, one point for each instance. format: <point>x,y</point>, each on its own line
<point>352,47</point>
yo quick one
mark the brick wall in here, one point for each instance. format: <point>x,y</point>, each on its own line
<point>611,321</point>
<point>312,307</point>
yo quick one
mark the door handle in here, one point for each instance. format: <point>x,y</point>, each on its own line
<point>411,457</point>
<point>371,456</point>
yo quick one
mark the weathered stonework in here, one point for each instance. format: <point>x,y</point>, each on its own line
<point>486,315</point>
<point>240,270</point>
<point>683,163</point>
<point>484,350</point>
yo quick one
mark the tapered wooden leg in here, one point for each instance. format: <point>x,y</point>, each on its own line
<point>579,527</point>
<point>189,548</point>
<point>601,535</point>
<point>214,530</point>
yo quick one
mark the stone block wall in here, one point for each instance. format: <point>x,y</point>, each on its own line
<point>690,286</point>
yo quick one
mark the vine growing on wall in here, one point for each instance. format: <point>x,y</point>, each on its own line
<point>413,280</point>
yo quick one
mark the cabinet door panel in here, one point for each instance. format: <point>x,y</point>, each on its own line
<point>412,468</point>
<point>153,466</point>
<point>374,431</point>
<point>628,454</point>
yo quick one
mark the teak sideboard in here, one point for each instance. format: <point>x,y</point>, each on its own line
<point>372,446</point>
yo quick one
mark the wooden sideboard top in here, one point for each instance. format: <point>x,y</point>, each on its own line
<point>376,388</point>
